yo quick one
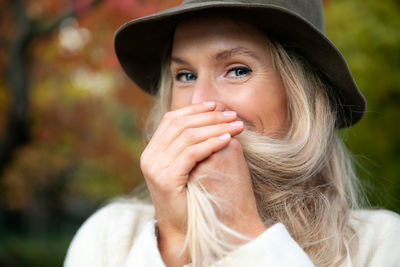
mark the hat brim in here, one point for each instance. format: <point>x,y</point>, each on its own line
<point>139,46</point>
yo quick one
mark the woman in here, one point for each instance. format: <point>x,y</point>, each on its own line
<point>243,163</point>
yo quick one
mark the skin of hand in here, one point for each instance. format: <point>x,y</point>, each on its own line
<point>226,176</point>
<point>187,139</point>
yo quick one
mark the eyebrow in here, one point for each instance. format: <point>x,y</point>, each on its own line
<point>178,60</point>
<point>235,51</point>
<point>223,55</point>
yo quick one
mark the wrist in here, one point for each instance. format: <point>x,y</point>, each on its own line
<point>171,247</point>
<point>249,225</point>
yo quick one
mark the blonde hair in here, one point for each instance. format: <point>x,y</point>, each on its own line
<point>304,180</point>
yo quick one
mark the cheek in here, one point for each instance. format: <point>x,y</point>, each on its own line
<point>265,110</point>
<point>274,115</point>
<point>180,98</point>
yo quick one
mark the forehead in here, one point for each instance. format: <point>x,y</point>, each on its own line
<point>215,28</point>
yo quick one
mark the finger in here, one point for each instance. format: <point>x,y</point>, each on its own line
<point>192,155</point>
<point>161,160</point>
<point>175,127</point>
<point>192,136</point>
<point>185,111</point>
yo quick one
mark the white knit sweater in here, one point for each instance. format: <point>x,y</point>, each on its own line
<point>122,234</point>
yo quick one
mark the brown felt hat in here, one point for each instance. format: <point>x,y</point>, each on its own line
<point>139,44</point>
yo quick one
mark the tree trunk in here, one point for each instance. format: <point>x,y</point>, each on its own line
<point>17,78</point>
<point>17,130</point>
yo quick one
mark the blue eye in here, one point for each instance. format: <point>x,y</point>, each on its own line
<point>238,72</point>
<point>185,77</point>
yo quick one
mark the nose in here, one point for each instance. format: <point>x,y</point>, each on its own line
<point>204,90</point>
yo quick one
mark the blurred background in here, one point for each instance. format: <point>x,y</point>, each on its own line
<point>70,121</point>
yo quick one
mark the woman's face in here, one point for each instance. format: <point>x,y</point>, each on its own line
<point>216,59</point>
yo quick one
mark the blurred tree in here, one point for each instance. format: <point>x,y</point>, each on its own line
<point>367,33</point>
<point>28,29</point>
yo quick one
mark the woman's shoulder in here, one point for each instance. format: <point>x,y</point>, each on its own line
<point>106,237</point>
<point>378,232</point>
<point>375,214</point>
<point>375,221</point>
<point>120,215</point>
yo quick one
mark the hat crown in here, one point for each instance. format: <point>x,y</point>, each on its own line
<point>310,10</point>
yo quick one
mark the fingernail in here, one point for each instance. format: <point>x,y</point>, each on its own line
<point>225,136</point>
<point>236,124</point>
<point>229,113</point>
<point>209,103</point>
